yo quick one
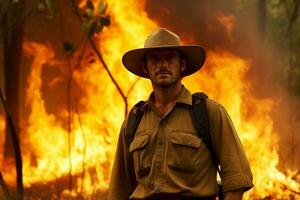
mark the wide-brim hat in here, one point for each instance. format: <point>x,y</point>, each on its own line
<point>163,38</point>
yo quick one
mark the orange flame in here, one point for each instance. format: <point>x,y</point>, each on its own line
<point>95,127</point>
<point>94,131</point>
<point>48,139</point>
<point>227,21</point>
<point>224,78</point>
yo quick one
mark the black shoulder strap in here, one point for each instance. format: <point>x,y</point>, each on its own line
<point>200,117</point>
<point>134,119</point>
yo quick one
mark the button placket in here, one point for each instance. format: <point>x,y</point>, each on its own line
<point>158,183</point>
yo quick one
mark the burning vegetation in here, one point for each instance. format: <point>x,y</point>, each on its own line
<point>74,100</point>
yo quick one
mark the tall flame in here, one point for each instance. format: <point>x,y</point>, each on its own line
<point>224,78</point>
<point>50,150</point>
<point>227,22</point>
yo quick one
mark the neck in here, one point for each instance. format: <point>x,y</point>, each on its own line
<point>164,96</point>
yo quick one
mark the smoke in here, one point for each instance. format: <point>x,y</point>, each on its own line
<point>204,23</point>
<point>200,22</point>
<point>198,19</point>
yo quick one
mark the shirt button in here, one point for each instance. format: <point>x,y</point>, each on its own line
<point>156,189</point>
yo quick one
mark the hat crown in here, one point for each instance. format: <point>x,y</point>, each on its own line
<point>134,59</point>
<point>162,37</point>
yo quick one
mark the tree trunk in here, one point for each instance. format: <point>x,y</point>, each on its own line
<point>13,37</point>
<point>262,10</point>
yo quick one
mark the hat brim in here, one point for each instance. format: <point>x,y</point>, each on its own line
<point>195,56</point>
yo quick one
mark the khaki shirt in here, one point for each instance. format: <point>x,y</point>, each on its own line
<point>168,157</point>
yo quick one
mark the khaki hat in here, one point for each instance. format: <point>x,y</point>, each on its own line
<point>163,38</point>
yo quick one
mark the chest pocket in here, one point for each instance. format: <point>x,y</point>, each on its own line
<point>138,148</point>
<point>138,143</point>
<point>184,151</point>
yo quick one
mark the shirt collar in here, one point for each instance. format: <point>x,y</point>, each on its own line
<point>185,97</point>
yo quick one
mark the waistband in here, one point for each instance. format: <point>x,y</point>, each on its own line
<point>178,197</point>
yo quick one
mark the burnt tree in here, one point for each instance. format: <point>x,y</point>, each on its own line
<point>12,38</point>
<point>12,31</point>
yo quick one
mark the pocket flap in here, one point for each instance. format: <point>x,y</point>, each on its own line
<point>185,139</point>
<point>138,142</point>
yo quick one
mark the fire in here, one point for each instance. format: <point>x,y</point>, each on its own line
<point>224,78</point>
<point>227,21</point>
<point>47,144</point>
<point>86,151</point>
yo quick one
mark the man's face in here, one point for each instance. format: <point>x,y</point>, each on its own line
<point>164,67</point>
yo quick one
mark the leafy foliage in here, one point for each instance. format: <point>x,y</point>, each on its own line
<point>95,19</point>
<point>284,29</point>
<point>68,47</point>
<point>51,7</point>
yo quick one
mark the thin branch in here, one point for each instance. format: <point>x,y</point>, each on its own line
<point>71,71</point>
<point>132,86</point>
<point>295,11</point>
<point>4,12</point>
<point>77,66</point>
<point>99,55</point>
<point>287,187</point>
<point>292,17</point>
<point>81,56</point>
<point>11,26</point>
<point>106,68</point>
<point>295,176</point>
<point>16,147</point>
<point>69,85</point>
<point>84,146</point>
<point>291,68</point>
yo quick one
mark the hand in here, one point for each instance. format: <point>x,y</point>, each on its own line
<point>234,195</point>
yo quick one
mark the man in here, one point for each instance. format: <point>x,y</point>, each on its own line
<point>166,158</point>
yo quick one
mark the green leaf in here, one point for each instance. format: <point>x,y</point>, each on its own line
<point>87,26</point>
<point>89,14</point>
<point>102,6</point>
<point>105,21</point>
<point>90,5</point>
<point>98,27</point>
<point>68,47</point>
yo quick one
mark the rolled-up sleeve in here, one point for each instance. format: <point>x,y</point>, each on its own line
<point>235,169</point>
<point>122,181</point>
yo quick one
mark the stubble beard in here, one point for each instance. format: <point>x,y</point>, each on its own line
<point>165,85</point>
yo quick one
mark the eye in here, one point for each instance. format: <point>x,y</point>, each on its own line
<point>171,56</point>
<point>153,58</point>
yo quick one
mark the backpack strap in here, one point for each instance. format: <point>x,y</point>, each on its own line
<point>134,119</point>
<point>200,117</point>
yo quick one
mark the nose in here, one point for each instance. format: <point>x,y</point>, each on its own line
<point>162,62</point>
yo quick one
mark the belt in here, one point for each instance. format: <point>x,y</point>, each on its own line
<point>177,197</point>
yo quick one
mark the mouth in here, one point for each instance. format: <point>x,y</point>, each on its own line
<point>162,73</point>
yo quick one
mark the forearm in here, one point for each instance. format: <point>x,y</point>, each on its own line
<point>234,195</point>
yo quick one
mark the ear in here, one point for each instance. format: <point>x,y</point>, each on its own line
<point>183,64</point>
